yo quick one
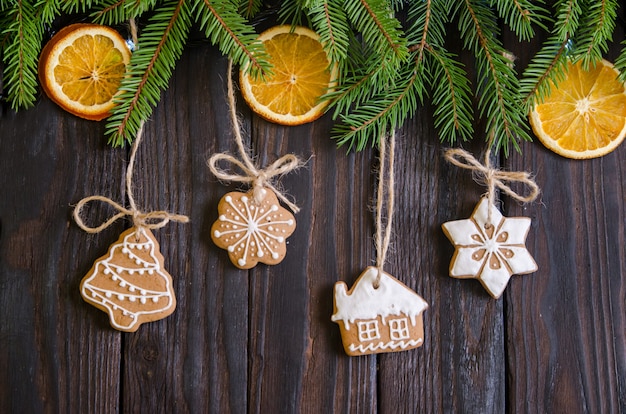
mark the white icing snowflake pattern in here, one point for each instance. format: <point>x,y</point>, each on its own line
<point>489,253</point>
<point>252,232</point>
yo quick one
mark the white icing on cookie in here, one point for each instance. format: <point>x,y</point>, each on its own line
<point>363,301</point>
<point>489,254</point>
<point>384,346</point>
<point>252,232</point>
<point>119,283</point>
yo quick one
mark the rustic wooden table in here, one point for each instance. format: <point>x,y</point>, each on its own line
<point>262,340</point>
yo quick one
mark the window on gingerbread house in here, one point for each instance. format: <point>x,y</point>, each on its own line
<point>368,330</point>
<point>398,329</point>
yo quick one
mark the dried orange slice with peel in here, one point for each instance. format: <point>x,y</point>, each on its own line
<point>81,69</point>
<point>301,75</point>
<point>584,116</point>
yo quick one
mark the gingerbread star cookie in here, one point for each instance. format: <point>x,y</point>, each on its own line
<point>489,253</point>
<point>252,232</point>
<point>129,283</point>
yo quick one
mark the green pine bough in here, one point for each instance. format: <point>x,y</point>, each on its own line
<point>392,56</point>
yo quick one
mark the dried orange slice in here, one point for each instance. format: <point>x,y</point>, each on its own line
<point>585,114</point>
<point>81,68</point>
<point>301,74</point>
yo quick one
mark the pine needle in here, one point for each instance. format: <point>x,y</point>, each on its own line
<point>151,66</point>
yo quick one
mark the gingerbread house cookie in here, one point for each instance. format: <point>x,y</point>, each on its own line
<point>386,318</point>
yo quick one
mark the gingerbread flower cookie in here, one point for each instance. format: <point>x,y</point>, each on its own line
<point>252,231</point>
<point>129,283</point>
<point>490,253</point>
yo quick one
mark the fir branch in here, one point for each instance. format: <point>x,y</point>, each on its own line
<point>568,17</point>
<point>498,99</point>
<point>450,86</point>
<point>385,112</point>
<point>364,79</point>
<point>249,8</point>
<point>420,13</point>
<point>79,6</point>
<point>365,75</point>
<point>112,12</point>
<point>225,27</point>
<point>521,15</point>
<point>548,66</point>
<point>48,10</point>
<point>160,45</point>
<point>544,71</point>
<point>330,22</point>
<point>294,13</point>
<point>374,20</point>
<point>596,30</point>
<point>20,55</point>
<point>451,96</point>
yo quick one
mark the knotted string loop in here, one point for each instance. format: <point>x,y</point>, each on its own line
<point>257,177</point>
<point>150,220</point>
<point>494,178</point>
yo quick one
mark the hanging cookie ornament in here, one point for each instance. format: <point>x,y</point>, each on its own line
<point>130,282</point>
<point>488,246</point>
<point>252,226</point>
<point>379,313</point>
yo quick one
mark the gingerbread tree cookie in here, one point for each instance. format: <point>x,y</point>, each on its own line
<point>129,283</point>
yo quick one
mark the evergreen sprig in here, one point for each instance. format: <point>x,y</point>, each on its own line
<point>581,31</point>
<point>392,55</point>
<point>548,66</point>
<point>497,93</point>
<point>160,45</point>
<point>596,30</point>
<point>234,35</point>
<point>20,53</point>
<point>330,21</point>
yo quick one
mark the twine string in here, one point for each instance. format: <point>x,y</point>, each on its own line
<point>250,174</point>
<point>150,220</point>
<point>383,236</point>
<point>494,178</point>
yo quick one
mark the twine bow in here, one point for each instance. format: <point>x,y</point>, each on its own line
<point>493,177</point>
<point>259,178</point>
<point>150,220</point>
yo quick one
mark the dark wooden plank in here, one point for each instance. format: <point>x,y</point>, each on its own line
<point>56,356</point>
<point>566,323</point>
<point>297,363</point>
<point>566,328</point>
<point>195,360</point>
<point>458,369</point>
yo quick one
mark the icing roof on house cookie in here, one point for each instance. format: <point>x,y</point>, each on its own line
<point>363,301</point>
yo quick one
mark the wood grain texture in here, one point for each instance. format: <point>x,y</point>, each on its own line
<point>565,324</point>
<point>48,336</point>
<point>261,341</point>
